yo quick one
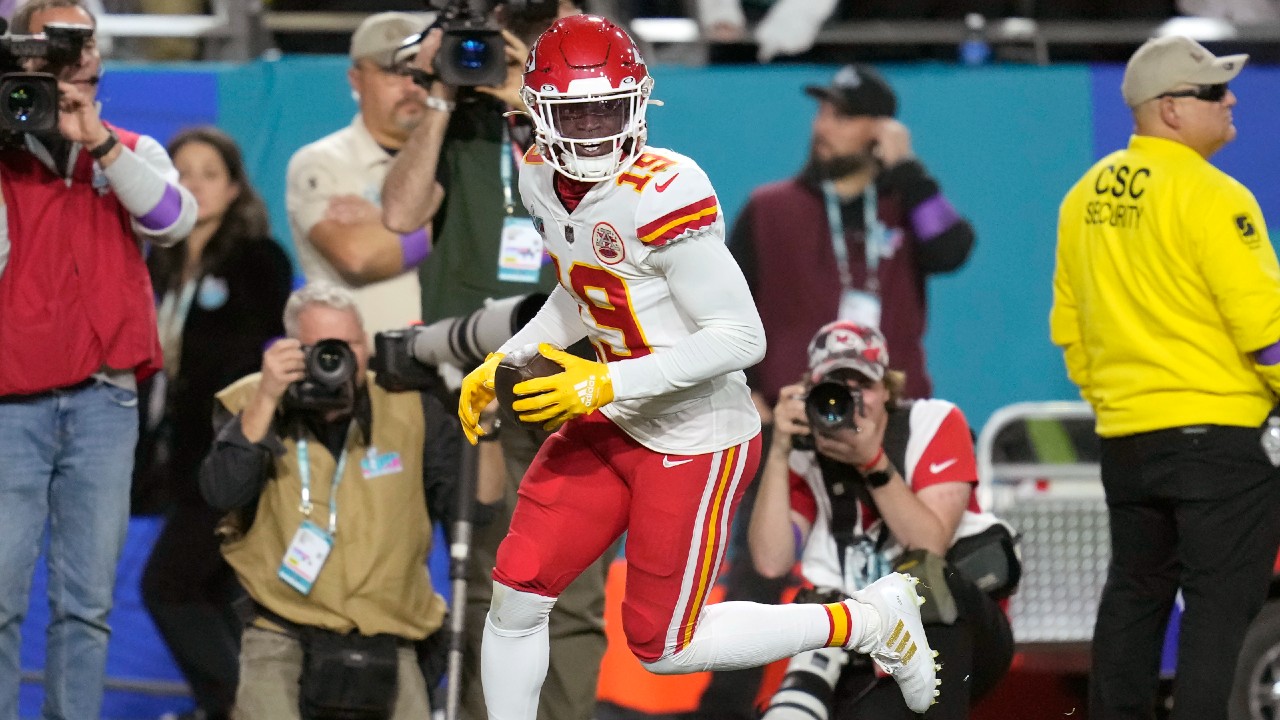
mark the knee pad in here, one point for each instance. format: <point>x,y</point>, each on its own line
<point>516,612</point>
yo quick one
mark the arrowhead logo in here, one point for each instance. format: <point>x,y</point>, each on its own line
<point>669,463</point>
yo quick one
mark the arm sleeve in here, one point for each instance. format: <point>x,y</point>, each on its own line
<point>234,471</point>
<point>146,183</point>
<point>729,336</point>
<point>948,457</point>
<point>944,239</point>
<point>1239,265</point>
<point>557,322</point>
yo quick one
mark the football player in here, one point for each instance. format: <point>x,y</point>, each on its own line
<point>637,238</point>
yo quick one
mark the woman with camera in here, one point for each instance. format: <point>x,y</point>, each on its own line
<point>221,297</point>
<point>857,484</point>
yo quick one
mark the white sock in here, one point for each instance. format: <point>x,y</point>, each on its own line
<point>737,635</point>
<point>869,628</point>
<point>514,653</point>
<point>512,668</point>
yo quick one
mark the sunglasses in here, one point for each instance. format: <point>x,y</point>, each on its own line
<point>1207,93</point>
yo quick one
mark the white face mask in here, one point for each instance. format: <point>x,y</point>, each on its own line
<point>591,137</point>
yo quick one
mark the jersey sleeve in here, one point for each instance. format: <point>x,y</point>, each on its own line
<point>676,200</point>
<point>948,456</point>
<point>729,336</point>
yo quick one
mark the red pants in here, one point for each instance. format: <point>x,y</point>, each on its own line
<point>590,483</point>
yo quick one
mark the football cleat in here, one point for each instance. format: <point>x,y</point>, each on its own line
<point>901,650</point>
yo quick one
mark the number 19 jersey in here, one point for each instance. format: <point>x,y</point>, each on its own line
<point>604,257</point>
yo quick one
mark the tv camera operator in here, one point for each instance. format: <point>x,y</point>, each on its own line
<point>859,483</point>
<point>81,199</point>
<point>485,246</point>
<point>334,483</point>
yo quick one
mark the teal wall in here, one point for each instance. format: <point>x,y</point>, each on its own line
<point>1005,142</point>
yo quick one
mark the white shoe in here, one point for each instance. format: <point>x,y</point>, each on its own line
<point>902,649</point>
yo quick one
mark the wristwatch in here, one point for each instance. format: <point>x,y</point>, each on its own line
<point>99,151</point>
<point>879,478</point>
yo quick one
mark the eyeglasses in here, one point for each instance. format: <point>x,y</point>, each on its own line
<point>1207,93</point>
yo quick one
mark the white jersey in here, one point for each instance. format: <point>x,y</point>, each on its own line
<point>614,256</point>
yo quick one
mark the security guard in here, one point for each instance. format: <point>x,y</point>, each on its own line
<point>1167,307</point>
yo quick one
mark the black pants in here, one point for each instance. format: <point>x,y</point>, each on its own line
<point>189,589</point>
<point>975,651</point>
<point>1195,508</point>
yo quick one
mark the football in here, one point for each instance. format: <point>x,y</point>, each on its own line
<point>515,368</point>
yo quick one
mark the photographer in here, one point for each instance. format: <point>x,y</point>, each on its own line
<point>467,145</point>
<point>884,477</point>
<point>77,333</point>
<point>343,571</point>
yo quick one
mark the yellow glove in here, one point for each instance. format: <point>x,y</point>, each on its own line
<point>554,400</point>
<point>477,393</point>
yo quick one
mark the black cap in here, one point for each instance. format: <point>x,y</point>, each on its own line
<point>858,90</point>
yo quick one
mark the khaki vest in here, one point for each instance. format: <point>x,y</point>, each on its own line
<point>375,580</point>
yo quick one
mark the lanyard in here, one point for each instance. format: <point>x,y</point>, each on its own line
<point>304,469</point>
<point>507,169</point>
<point>874,236</point>
<point>171,317</point>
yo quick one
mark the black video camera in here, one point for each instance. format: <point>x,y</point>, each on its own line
<point>330,381</point>
<point>830,405</point>
<point>29,100</point>
<point>472,51</point>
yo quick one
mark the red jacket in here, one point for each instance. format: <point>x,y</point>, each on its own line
<point>75,295</point>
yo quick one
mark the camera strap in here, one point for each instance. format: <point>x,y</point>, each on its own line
<point>507,170</point>
<point>875,236</point>
<point>304,474</point>
<point>171,317</point>
<point>845,487</point>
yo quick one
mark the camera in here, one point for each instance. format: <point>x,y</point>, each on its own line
<point>472,51</point>
<point>404,358</point>
<point>330,380</point>
<point>808,688</point>
<point>29,100</point>
<point>830,405</point>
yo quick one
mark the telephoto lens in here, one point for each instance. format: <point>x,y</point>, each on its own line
<point>832,405</point>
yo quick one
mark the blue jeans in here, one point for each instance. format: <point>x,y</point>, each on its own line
<point>66,460</point>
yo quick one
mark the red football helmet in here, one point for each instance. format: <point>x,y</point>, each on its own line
<point>587,87</point>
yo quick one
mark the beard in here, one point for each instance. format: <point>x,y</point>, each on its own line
<point>818,170</point>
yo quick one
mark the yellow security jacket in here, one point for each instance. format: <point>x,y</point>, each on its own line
<point>375,579</point>
<point>1165,284</point>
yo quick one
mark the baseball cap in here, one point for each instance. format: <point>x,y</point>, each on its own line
<point>1164,63</point>
<point>844,344</point>
<point>380,35</point>
<point>858,90</point>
